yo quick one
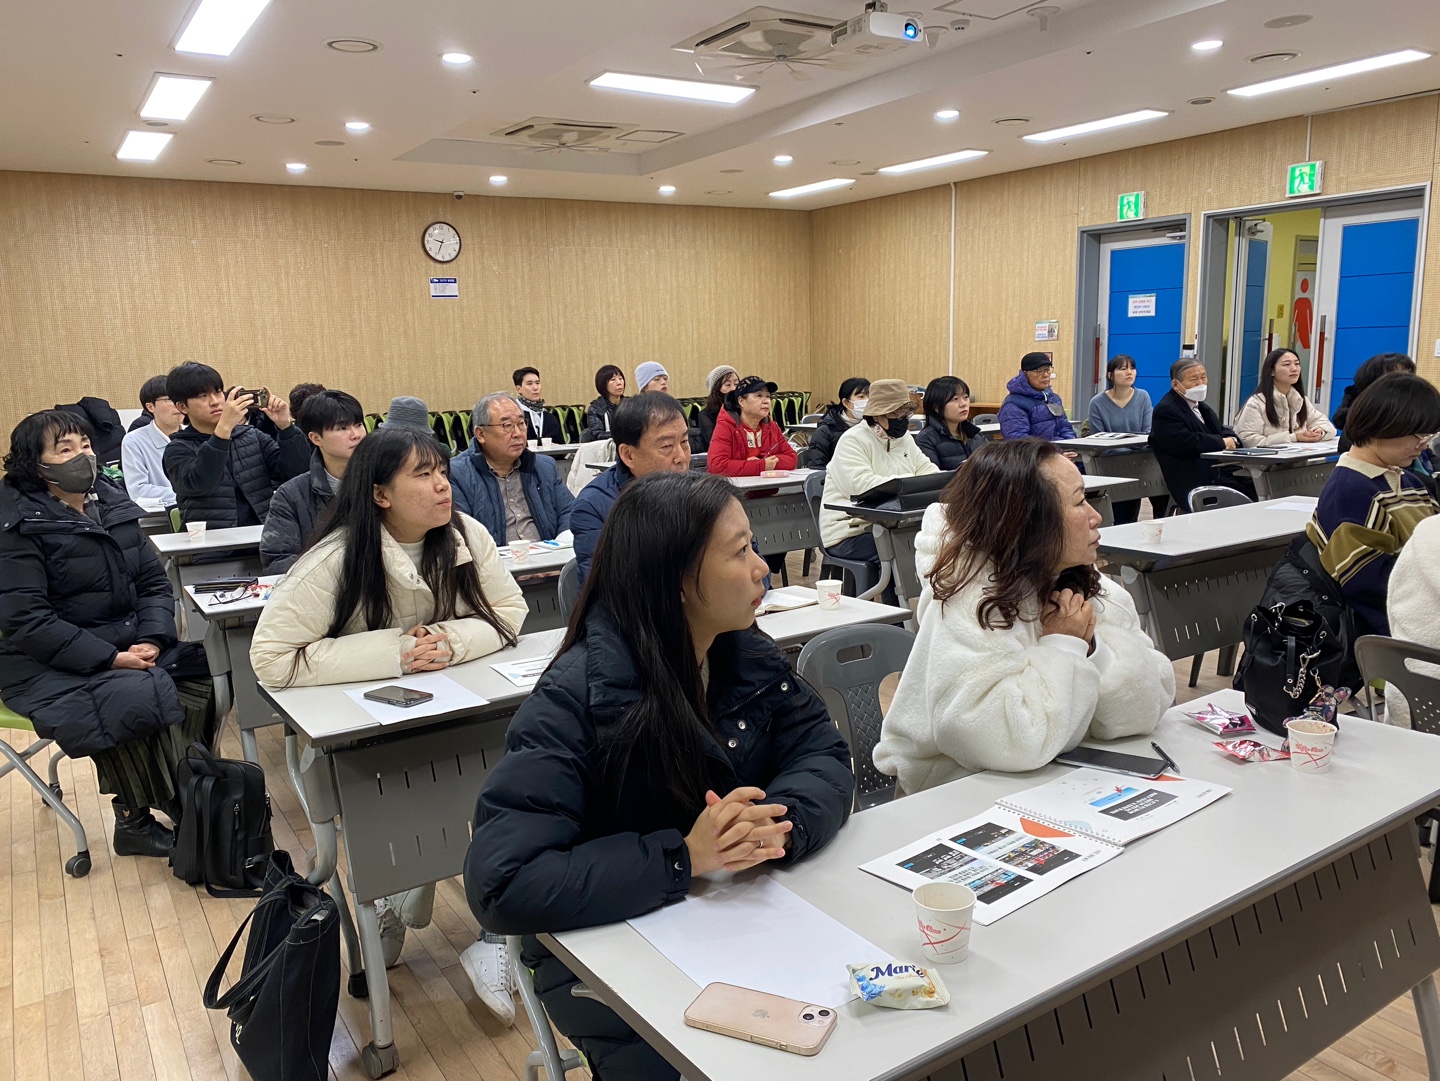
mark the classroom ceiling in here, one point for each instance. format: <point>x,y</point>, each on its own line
<point>73,76</point>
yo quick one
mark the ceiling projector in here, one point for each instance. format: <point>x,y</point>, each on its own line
<point>878,28</point>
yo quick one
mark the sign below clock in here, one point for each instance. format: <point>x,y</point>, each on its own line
<point>444,288</point>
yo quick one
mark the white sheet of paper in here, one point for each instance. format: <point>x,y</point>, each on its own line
<point>1286,504</point>
<point>449,696</point>
<point>524,674</point>
<point>757,934</point>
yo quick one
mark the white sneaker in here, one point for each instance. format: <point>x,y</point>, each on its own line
<point>488,966</point>
<point>392,931</point>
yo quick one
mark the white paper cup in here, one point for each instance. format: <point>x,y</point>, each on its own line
<point>1152,531</point>
<point>520,550</point>
<point>943,912</point>
<point>547,442</point>
<point>1311,744</point>
<point>195,531</point>
<point>827,593</point>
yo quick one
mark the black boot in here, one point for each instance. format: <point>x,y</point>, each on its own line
<point>137,833</point>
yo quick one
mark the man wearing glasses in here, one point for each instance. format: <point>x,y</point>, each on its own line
<point>1031,408</point>
<point>513,492</point>
<point>142,451</point>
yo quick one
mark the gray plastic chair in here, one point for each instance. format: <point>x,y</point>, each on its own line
<point>555,1062</point>
<point>1211,496</point>
<point>812,418</point>
<point>846,666</point>
<point>863,576</point>
<point>985,418</point>
<point>568,588</point>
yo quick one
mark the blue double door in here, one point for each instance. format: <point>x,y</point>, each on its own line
<point>1374,301</point>
<point>1144,317</point>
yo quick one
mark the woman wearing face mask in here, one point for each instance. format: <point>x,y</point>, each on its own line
<point>1278,412</point>
<point>1024,648</point>
<point>870,453</point>
<point>88,649</point>
<point>839,418</point>
<point>718,384</point>
<point>1183,428</point>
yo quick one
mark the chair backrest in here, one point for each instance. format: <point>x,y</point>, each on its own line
<point>814,496</point>
<point>568,588</point>
<point>812,418</point>
<point>1384,658</point>
<point>985,418</point>
<point>1211,496</point>
<point>846,666</point>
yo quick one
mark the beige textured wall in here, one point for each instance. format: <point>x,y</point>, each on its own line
<point>1015,238</point>
<point>105,281</point>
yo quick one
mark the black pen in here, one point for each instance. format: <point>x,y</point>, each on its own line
<point>1165,757</point>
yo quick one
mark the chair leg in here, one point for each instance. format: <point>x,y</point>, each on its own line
<point>1195,663</point>
<point>805,566</point>
<point>79,864</point>
<point>549,1056</point>
<point>1226,663</point>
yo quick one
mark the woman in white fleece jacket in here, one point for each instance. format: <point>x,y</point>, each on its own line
<point>1024,648</point>
<point>1413,603</point>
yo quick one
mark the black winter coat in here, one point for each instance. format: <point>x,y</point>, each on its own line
<point>705,425</point>
<point>1178,437</point>
<point>553,850</point>
<point>72,595</point>
<point>298,505</point>
<point>204,471</point>
<point>597,420</point>
<point>821,447</point>
<point>942,448</point>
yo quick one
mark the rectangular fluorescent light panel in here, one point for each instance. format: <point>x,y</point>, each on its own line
<point>930,163</point>
<point>173,96</point>
<point>1336,71</point>
<point>724,93</point>
<point>218,25</point>
<point>143,145</point>
<point>1096,125</point>
<point>811,189</point>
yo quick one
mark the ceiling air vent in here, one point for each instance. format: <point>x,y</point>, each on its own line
<point>547,134</point>
<point>762,39</point>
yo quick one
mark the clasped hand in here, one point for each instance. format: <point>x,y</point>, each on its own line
<point>139,657</point>
<point>737,833</point>
<point>431,652</point>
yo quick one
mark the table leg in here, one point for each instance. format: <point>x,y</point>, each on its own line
<point>1261,479</point>
<point>379,1056</point>
<point>249,749</point>
<point>1427,1011</point>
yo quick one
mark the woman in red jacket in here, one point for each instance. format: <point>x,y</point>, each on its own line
<point>746,441</point>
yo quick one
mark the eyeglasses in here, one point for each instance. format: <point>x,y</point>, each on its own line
<point>509,427</point>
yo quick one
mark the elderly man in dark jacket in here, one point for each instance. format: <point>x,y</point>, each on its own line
<point>223,470</point>
<point>1182,428</point>
<point>513,492</point>
<point>1030,407</point>
<point>87,627</point>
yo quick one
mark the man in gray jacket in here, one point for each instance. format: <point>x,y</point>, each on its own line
<point>513,492</point>
<point>334,423</point>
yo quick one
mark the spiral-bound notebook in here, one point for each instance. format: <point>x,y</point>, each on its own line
<point>1033,841</point>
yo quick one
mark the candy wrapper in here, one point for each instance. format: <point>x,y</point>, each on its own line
<point>897,986</point>
<point>1222,722</point>
<point>1248,749</point>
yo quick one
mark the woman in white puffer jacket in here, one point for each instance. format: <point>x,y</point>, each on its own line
<point>1024,648</point>
<point>1278,413</point>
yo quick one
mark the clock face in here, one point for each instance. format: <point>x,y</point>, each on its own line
<point>441,241</point>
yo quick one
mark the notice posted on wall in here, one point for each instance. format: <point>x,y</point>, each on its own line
<point>1142,305</point>
<point>444,288</point>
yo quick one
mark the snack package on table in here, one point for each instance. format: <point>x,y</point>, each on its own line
<point>1222,722</point>
<point>897,986</point>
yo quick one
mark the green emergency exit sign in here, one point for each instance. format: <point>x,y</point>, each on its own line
<point>1130,206</point>
<point>1305,178</point>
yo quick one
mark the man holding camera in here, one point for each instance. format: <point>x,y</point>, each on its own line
<point>223,470</point>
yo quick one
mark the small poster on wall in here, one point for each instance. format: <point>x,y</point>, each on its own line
<point>1047,330</point>
<point>444,288</point>
<point>1142,305</point>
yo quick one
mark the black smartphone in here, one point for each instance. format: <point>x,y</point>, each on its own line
<point>398,696</point>
<point>1113,761</point>
<point>223,585</point>
<point>261,397</point>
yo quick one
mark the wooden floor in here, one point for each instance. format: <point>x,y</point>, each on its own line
<point>101,977</point>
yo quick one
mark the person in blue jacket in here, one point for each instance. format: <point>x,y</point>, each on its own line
<point>669,739</point>
<point>1031,408</point>
<point>513,492</point>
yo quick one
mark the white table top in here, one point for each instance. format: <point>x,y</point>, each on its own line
<point>1187,538</point>
<point>237,538</point>
<point>1099,484</point>
<point>556,450</point>
<point>990,427</point>
<point>802,624</point>
<point>1112,442</point>
<point>803,426</point>
<point>789,480</point>
<point>1288,454</point>
<point>540,559</point>
<point>1275,824</point>
<point>206,603</point>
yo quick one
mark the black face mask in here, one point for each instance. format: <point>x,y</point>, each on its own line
<point>897,427</point>
<point>76,475</point>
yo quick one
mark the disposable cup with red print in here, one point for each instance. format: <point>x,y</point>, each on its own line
<point>943,912</point>
<point>1311,743</point>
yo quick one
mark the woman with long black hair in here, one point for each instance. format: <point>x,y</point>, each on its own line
<point>1024,647</point>
<point>668,739</point>
<point>1278,412</point>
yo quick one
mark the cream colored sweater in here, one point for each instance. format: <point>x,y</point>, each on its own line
<point>864,458</point>
<point>1254,427</point>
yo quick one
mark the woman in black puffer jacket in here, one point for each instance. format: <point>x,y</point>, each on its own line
<point>839,418</point>
<point>87,628</point>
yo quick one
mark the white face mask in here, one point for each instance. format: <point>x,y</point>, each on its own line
<point>857,406</point>
<point>1197,394</point>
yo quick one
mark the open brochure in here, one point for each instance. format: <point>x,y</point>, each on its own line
<point>786,600</point>
<point>1035,840</point>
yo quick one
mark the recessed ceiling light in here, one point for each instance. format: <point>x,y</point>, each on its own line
<point>1209,45</point>
<point>1335,71</point>
<point>1010,121</point>
<point>218,25</point>
<point>456,58</point>
<point>352,45</point>
<point>1286,21</point>
<point>143,145</point>
<point>947,114</point>
<point>173,96</point>
<point>295,166</point>
<point>356,127</point>
<point>223,161</point>
<point>930,163</point>
<point>810,189</point>
<point>273,118</point>
<point>499,181</point>
<point>779,159</point>
<point>723,93</point>
<point>666,189</point>
<point>1137,117</point>
<point>329,142</point>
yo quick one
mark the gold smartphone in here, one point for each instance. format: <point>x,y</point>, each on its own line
<point>783,1023</point>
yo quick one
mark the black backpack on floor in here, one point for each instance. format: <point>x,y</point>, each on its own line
<point>224,836</point>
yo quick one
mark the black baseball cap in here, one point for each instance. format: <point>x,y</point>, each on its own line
<point>750,384</point>
<point>1033,362</point>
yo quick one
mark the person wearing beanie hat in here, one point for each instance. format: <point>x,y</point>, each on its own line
<point>651,375</point>
<point>408,412</point>
<point>720,382</point>
<point>1031,408</point>
<point>872,452</point>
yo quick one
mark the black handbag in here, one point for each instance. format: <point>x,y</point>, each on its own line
<point>282,1008</point>
<point>224,838</point>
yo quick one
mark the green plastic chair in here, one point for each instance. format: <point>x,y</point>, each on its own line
<point>176,523</point>
<point>371,420</point>
<point>77,865</point>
